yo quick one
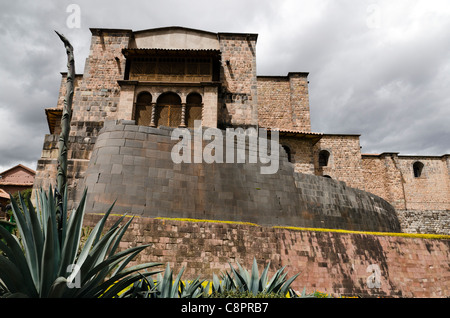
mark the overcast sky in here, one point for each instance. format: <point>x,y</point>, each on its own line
<point>377,68</point>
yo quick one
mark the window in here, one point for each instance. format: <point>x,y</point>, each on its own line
<point>171,69</point>
<point>288,152</point>
<point>168,110</point>
<point>193,109</point>
<point>417,168</point>
<point>143,112</point>
<point>323,158</point>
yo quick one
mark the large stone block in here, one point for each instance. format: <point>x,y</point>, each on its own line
<point>151,184</point>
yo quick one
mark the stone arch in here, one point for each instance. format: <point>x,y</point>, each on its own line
<point>418,169</point>
<point>143,109</point>
<point>168,110</point>
<point>194,108</point>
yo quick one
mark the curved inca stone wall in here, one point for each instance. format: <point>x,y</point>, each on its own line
<point>133,165</point>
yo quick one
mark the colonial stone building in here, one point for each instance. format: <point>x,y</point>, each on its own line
<point>170,77</point>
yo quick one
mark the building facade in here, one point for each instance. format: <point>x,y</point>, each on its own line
<point>173,76</point>
<point>12,181</point>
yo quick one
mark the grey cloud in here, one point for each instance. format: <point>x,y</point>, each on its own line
<point>392,91</point>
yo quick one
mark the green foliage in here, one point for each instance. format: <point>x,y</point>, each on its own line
<point>237,284</point>
<point>165,286</point>
<point>47,262</point>
<point>318,294</point>
<point>9,226</point>
<point>25,194</point>
<point>245,281</point>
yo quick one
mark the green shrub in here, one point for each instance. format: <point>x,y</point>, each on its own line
<point>164,286</point>
<point>47,260</point>
<point>242,280</point>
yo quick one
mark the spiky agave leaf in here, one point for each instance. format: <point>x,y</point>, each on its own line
<point>255,285</point>
<point>251,281</point>
<point>14,253</point>
<point>37,266</point>
<point>32,251</point>
<point>242,279</point>
<point>192,289</point>
<point>168,287</point>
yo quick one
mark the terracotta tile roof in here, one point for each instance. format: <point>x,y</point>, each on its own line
<point>301,132</point>
<point>17,166</point>
<point>4,194</point>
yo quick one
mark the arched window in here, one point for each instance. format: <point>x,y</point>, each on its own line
<point>194,107</point>
<point>143,111</point>
<point>417,168</point>
<point>323,158</point>
<point>168,110</point>
<point>288,152</point>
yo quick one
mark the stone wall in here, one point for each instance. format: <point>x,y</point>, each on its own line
<point>391,176</point>
<point>79,153</point>
<point>299,97</point>
<point>238,79</point>
<point>430,191</point>
<point>420,221</point>
<point>97,96</point>
<point>63,88</point>
<point>301,153</point>
<point>283,102</point>
<point>336,263</point>
<point>133,165</point>
<point>332,204</point>
<point>344,163</point>
<point>274,105</point>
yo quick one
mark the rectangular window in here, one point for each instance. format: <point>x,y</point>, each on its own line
<point>171,69</point>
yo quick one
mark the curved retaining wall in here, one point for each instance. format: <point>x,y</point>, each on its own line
<point>132,164</point>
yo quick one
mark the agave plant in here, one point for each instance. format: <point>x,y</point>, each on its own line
<point>220,286</point>
<point>8,225</point>
<point>166,287</point>
<point>46,262</point>
<point>192,289</point>
<point>245,281</point>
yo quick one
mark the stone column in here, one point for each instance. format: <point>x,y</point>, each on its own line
<point>183,115</point>
<point>152,120</point>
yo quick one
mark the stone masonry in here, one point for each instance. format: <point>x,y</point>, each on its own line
<point>232,95</point>
<point>335,263</point>
<point>323,180</point>
<point>239,82</point>
<point>132,164</point>
<point>283,102</point>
